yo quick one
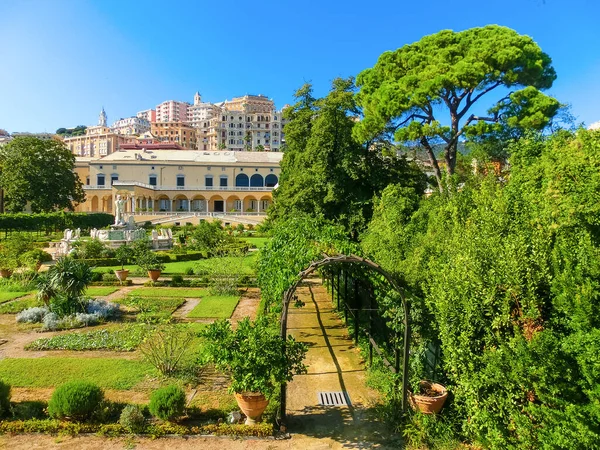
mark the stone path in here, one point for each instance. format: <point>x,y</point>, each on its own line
<point>334,364</point>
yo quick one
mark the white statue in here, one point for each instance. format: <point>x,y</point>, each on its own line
<point>119,207</point>
<point>154,235</point>
<point>93,233</point>
<point>77,233</point>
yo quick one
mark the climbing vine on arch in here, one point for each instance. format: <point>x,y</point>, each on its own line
<point>296,243</point>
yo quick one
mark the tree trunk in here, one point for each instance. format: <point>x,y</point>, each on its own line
<point>434,163</point>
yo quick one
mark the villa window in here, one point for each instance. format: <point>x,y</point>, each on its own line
<point>208,181</point>
<point>223,181</point>
<point>100,180</point>
<point>180,181</point>
<point>152,180</point>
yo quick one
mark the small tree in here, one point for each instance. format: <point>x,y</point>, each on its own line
<point>254,355</point>
<point>124,254</point>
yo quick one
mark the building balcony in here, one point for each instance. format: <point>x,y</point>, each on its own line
<point>181,188</point>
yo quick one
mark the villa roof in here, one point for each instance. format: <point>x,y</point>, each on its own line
<point>193,156</point>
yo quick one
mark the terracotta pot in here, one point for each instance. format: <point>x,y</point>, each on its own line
<point>252,404</point>
<point>154,274</point>
<point>122,274</point>
<point>5,273</point>
<point>427,404</point>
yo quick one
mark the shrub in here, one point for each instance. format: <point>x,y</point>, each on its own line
<point>165,348</point>
<point>167,403</point>
<point>109,277</point>
<point>32,315</point>
<point>97,276</point>
<point>132,418</point>
<point>4,398</point>
<point>75,400</point>
<point>189,271</point>
<point>29,410</point>
<point>91,249</point>
<point>176,279</point>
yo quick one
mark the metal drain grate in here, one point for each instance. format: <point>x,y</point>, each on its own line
<point>332,398</point>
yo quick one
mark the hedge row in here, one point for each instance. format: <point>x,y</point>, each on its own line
<point>51,426</point>
<point>57,221</point>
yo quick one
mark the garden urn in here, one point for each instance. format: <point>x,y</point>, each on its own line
<point>154,274</point>
<point>122,274</point>
<point>430,399</point>
<point>252,404</point>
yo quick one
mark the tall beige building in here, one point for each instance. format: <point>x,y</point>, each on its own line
<point>97,142</point>
<point>246,123</point>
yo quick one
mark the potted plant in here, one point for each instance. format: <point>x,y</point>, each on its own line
<point>33,259</point>
<point>124,254</point>
<point>430,397</point>
<point>150,262</point>
<point>257,359</point>
<point>8,262</point>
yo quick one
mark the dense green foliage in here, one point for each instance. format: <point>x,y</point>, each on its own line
<point>167,403</point>
<point>39,173</point>
<point>56,221</point>
<point>405,91</point>
<point>295,244</point>
<point>76,400</point>
<point>506,278</point>
<point>255,356</point>
<point>325,171</point>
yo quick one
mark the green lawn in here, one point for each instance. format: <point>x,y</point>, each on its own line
<point>6,296</point>
<point>169,292</point>
<point>100,291</point>
<point>19,305</point>
<point>259,242</point>
<point>246,263</point>
<point>216,306</point>
<point>108,373</point>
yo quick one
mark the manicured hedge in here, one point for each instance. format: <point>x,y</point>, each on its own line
<point>101,262</point>
<point>51,426</point>
<point>190,256</point>
<point>57,221</point>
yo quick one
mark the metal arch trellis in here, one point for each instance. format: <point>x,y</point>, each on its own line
<point>348,259</point>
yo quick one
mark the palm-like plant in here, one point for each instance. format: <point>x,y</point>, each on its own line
<point>70,276</point>
<point>66,283</point>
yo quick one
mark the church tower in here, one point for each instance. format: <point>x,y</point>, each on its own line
<point>102,118</point>
<point>197,99</point>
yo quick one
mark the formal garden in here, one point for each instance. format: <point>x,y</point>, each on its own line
<point>93,351</point>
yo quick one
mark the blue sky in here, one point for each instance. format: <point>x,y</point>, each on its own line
<point>62,60</point>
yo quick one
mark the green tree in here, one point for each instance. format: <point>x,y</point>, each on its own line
<point>39,172</point>
<point>325,170</point>
<point>428,92</point>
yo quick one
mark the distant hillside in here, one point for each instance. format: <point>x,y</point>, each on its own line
<point>68,132</point>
